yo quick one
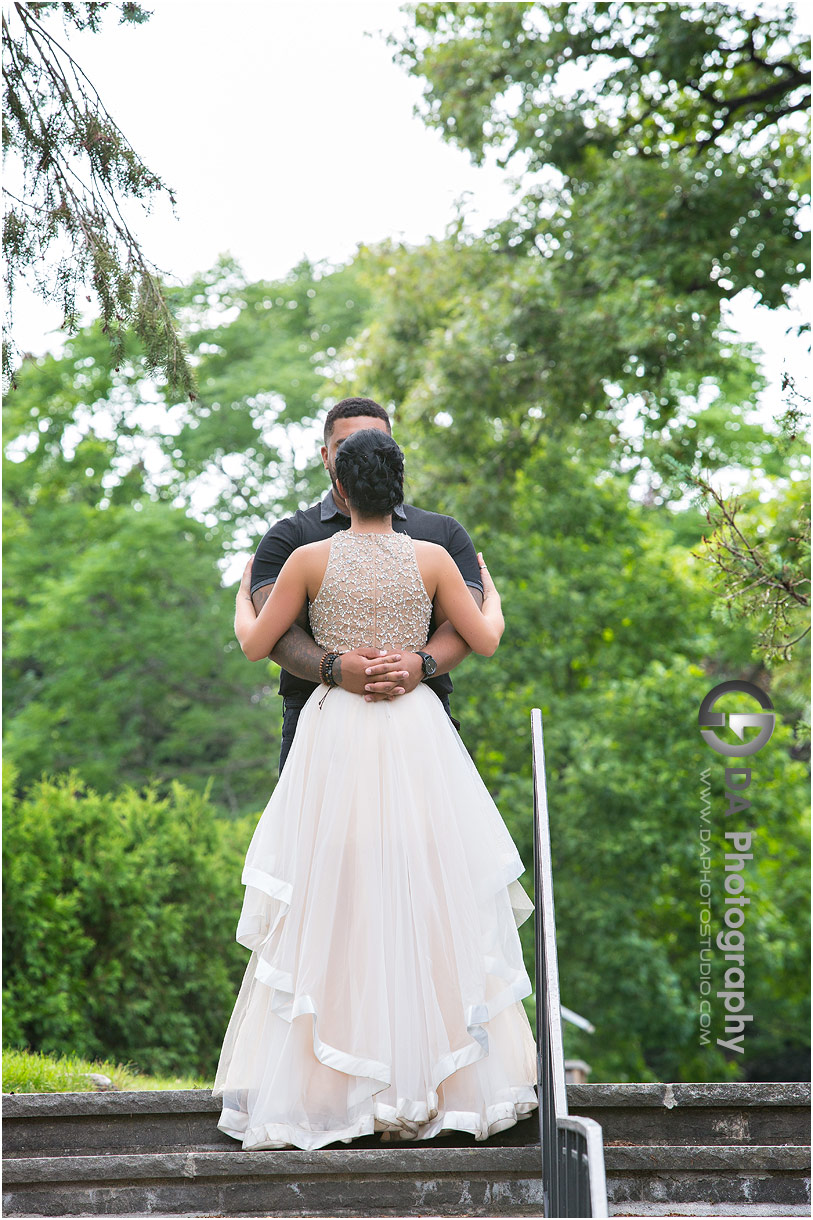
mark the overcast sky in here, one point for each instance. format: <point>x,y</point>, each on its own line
<point>285,129</point>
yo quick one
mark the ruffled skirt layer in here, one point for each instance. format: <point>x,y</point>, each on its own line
<point>381,907</point>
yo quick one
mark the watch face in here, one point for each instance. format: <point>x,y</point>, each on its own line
<point>429,665</point>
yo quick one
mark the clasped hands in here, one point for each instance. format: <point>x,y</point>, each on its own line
<point>378,674</point>
<point>374,673</point>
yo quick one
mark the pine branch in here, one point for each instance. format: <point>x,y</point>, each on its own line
<point>78,168</point>
<point>751,583</point>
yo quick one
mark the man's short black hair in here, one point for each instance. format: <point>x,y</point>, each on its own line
<point>348,408</point>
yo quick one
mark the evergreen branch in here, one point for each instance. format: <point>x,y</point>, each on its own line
<point>25,203</point>
<point>28,21</point>
<point>749,578</point>
<point>107,197</point>
<point>796,641</point>
<point>51,122</point>
<point>51,65</point>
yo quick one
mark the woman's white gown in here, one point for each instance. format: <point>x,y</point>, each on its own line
<point>381,906</point>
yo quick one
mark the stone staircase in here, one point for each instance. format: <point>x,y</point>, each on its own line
<point>682,1149</point>
<point>702,1149</point>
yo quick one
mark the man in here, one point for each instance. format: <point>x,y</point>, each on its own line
<point>365,672</point>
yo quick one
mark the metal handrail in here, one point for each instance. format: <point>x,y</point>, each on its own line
<point>573,1017</point>
<point>573,1180</point>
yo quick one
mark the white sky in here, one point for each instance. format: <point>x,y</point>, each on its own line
<point>285,129</point>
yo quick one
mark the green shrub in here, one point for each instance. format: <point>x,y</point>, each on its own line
<point>118,923</point>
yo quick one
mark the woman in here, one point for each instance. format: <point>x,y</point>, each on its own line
<point>382,903</point>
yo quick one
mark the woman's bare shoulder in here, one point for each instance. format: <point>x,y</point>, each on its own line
<point>433,557</point>
<point>309,558</point>
<point>320,547</point>
<point>432,560</point>
<point>431,550</point>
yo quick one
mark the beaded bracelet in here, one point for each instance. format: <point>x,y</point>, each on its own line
<point>326,668</point>
<point>331,681</point>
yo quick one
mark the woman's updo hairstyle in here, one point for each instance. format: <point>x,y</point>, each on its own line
<point>370,468</point>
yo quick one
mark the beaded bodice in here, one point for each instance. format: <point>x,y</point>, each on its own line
<point>372,595</point>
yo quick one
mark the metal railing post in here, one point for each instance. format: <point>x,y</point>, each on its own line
<point>573,1180</point>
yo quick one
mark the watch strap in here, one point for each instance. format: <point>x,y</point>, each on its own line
<point>424,657</point>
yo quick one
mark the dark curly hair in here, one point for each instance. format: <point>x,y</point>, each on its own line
<point>370,468</point>
<point>350,408</point>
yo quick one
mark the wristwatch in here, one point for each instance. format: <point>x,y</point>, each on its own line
<point>429,664</point>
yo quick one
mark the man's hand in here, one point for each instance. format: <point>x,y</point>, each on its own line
<point>445,645</point>
<point>388,677</point>
<point>352,669</point>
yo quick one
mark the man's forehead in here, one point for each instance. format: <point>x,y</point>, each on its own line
<point>345,428</point>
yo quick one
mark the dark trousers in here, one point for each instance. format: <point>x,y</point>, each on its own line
<point>291,707</point>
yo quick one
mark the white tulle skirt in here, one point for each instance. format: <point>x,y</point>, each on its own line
<point>381,906</point>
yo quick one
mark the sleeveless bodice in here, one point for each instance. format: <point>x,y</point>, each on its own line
<point>372,595</point>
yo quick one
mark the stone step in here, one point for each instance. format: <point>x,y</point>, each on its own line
<point>669,1149</point>
<point>78,1124</point>
<point>736,1113</point>
<point>49,1124</point>
<point>773,1175</point>
<point>409,1181</point>
<point>737,1211</point>
<point>325,1182</point>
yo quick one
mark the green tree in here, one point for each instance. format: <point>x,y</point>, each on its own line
<point>482,356</point>
<point>609,632</point>
<point>696,108</point>
<point>663,169</point>
<point>767,577</point>
<point>69,172</point>
<point>264,350</point>
<point>120,659</point>
<point>263,353</point>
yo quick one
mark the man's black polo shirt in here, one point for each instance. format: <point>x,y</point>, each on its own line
<point>323,521</point>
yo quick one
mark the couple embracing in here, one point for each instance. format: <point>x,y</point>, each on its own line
<point>384,988</point>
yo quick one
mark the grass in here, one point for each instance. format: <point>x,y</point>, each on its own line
<point>31,1072</point>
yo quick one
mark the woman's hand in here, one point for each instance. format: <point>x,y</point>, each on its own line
<point>489,588</point>
<point>243,600</point>
<point>245,583</point>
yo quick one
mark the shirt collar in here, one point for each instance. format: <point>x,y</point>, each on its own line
<point>328,509</point>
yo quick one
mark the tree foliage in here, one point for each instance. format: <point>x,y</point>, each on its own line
<point>662,170</point>
<point>122,660</point>
<point>766,578</point>
<point>610,632</point>
<point>666,77</point>
<point>690,115</point>
<point>73,171</point>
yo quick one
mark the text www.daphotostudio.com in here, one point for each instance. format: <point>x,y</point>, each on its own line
<point>729,940</point>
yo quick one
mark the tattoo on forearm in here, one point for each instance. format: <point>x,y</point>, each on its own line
<point>337,671</point>
<point>299,653</point>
